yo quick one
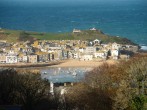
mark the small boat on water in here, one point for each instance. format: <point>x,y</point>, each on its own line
<point>45,73</point>
<point>59,68</point>
<point>74,73</point>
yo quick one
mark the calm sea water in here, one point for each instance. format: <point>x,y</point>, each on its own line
<point>125,18</point>
<point>64,74</point>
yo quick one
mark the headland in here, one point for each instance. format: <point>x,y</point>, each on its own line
<point>80,48</point>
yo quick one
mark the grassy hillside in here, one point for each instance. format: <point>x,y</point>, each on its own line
<point>9,35</point>
<point>17,35</point>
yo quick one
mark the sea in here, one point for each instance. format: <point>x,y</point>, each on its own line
<point>68,74</point>
<point>124,18</point>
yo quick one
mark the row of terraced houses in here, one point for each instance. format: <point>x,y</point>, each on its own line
<point>46,51</point>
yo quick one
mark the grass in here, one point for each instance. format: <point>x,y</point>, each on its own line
<point>50,36</point>
<point>14,36</point>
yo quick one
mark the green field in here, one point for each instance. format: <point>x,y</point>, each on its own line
<point>18,35</point>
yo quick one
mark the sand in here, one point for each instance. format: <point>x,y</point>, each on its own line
<point>77,63</point>
<point>64,63</point>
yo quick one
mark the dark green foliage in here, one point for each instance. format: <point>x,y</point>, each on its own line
<point>84,35</point>
<point>84,97</point>
<point>107,87</point>
<point>31,90</point>
<point>126,81</point>
<point>27,90</point>
<point>8,84</point>
<point>24,36</point>
<point>138,102</point>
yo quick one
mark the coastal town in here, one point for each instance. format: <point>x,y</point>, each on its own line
<point>44,51</point>
<point>73,54</point>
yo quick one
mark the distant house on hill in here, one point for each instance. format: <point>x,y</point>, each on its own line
<point>76,31</point>
<point>115,46</point>
<point>93,29</point>
<point>96,41</point>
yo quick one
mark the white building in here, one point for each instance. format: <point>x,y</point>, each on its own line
<point>11,52</point>
<point>115,54</point>
<point>90,50</point>
<point>76,49</point>
<point>76,31</point>
<point>93,29</point>
<point>55,48</point>
<point>2,58</point>
<point>96,41</point>
<point>51,51</point>
<point>11,59</point>
<point>52,88</point>
<point>100,54</point>
<point>63,91</point>
<point>43,50</point>
<point>87,57</point>
<point>25,59</point>
<point>115,46</point>
<point>32,58</point>
<point>81,50</point>
<point>75,55</point>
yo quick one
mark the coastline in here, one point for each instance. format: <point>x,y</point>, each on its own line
<point>68,64</point>
<point>28,65</point>
<point>77,63</point>
<point>65,63</point>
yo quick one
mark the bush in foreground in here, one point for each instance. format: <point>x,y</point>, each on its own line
<point>27,90</point>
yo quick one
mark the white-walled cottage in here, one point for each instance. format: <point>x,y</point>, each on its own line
<point>11,59</point>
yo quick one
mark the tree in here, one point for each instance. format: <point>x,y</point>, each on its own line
<point>26,89</point>
<point>107,78</point>
<point>84,97</point>
<point>125,81</point>
<point>137,71</point>
<point>31,90</point>
<point>8,84</point>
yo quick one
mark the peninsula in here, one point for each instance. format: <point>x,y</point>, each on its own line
<point>24,48</point>
<point>90,34</point>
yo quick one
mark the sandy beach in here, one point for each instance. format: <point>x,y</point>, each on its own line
<point>64,63</point>
<point>77,63</point>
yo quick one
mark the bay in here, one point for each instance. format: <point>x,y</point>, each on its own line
<point>119,18</point>
<point>61,75</point>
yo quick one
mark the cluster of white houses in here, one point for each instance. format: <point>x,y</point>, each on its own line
<point>15,58</point>
<point>45,51</point>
